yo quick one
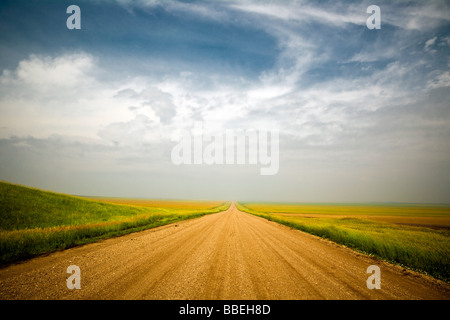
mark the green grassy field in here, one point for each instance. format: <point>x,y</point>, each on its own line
<point>34,222</point>
<point>413,236</point>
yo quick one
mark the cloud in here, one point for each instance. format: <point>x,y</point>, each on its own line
<point>72,99</point>
<point>61,94</point>
<point>134,132</point>
<point>137,111</point>
<point>429,44</point>
<point>161,103</point>
<point>205,10</point>
<point>379,53</point>
<point>47,77</point>
<point>333,15</point>
<point>445,41</point>
<point>65,95</point>
<point>350,103</point>
<point>441,80</point>
<point>420,16</point>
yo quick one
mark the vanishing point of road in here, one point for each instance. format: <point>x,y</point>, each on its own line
<point>228,255</point>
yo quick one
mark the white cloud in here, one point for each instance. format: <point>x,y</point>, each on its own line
<point>46,95</point>
<point>50,77</point>
<point>377,54</point>
<point>429,44</point>
<point>300,12</point>
<point>442,80</point>
<point>204,10</point>
<point>445,41</point>
<point>63,95</point>
<point>420,15</point>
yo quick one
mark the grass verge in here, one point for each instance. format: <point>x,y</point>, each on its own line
<point>417,248</point>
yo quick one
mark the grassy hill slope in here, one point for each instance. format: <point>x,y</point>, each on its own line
<point>34,222</point>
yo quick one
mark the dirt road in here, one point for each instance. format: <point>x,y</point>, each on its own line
<point>227,255</point>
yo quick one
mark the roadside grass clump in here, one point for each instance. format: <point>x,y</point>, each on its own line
<point>34,222</point>
<point>417,248</point>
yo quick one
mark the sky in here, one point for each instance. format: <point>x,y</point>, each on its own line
<point>363,115</point>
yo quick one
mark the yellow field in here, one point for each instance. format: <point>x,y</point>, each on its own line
<point>431,216</point>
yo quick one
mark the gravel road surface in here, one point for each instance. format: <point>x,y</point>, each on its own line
<point>228,255</point>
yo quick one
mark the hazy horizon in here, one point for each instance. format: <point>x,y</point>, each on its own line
<point>363,115</point>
